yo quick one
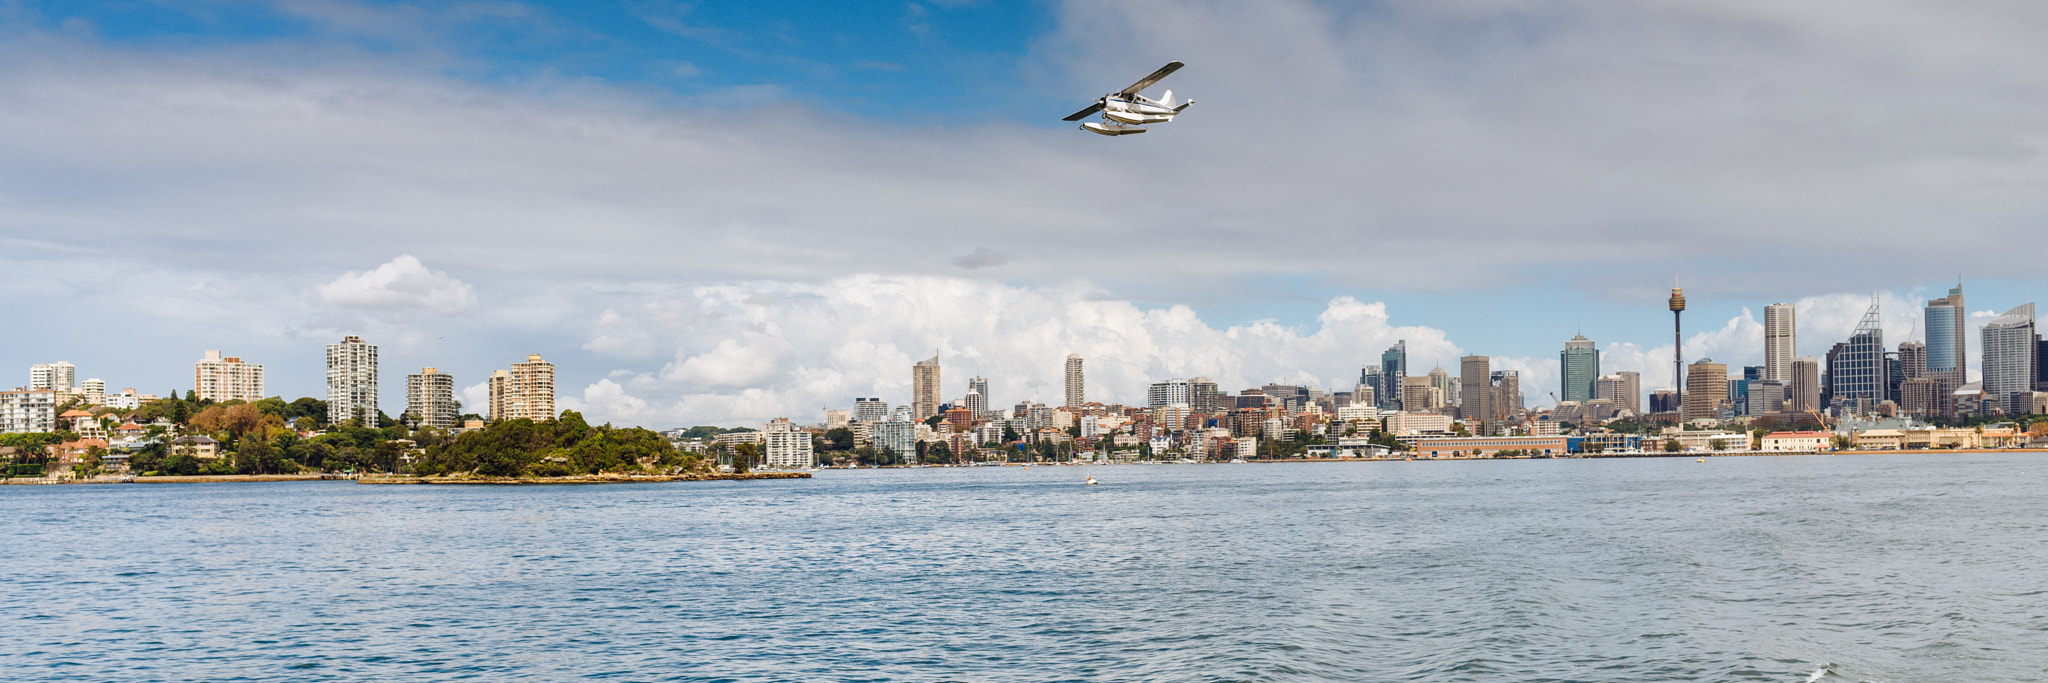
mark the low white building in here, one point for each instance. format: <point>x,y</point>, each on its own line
<point>1798,442</point>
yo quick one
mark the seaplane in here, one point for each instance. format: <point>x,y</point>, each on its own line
<point>1125,112</point>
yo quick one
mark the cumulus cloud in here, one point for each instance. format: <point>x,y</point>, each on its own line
<point>822,345</point>
<point>402,284</point>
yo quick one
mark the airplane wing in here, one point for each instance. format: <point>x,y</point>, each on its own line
<point>1085,113</point>
<point>1147,81</point>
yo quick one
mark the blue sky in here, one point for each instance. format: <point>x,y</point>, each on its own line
<point>728,212</point>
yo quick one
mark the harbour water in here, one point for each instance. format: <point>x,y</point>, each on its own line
<point>1870,568</point>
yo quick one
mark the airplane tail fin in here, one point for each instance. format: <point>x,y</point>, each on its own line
<point>1168,102</point>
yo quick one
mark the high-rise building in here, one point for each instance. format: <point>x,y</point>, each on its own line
<point>1625,389</point>
<point>1419,396</point>
<point>1507,394</point>
<point>870,410</point>
<point>1203,391</point>
<point>217,378</point>
<point>1171,392</point>
<point>60,376</point>
<point>1370,378</point>
<point>1803,393</point>
<point>978,386</point>
<point>1912,360</point>
<point>975,404</point>
<point>1948,364</point>
<point>1077,384</point>
<point>1856,377</point>
<point>1664,401</point>
<point>1477,409</point>
<point>352,381</point>
<point>1393,367</point>
<point>430,400</point>
<point>526,391</point>
<point>924,389</point>
<point>2010,346</point>
<point>1781,341</point>
<point>1706,388</point>
<point>1578,368</point>
<point>785,445</point>
<point>1766,395</point>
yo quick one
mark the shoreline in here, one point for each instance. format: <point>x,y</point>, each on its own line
<point>576,479</point>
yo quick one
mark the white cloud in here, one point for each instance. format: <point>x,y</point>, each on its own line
<point>400,285</point>
<point>741,360</point>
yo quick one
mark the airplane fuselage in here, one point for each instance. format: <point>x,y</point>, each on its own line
<point>1136,110</point>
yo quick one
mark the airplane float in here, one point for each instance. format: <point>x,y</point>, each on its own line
<point>1125,112</point>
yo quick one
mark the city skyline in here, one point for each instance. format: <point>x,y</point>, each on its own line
<point>610,187</point>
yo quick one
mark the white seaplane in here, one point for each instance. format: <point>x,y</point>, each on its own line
<point>1126,112</point>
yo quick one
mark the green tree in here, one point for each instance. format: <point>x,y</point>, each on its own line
<point>839,439</point>
<point>939,452</point>
<point>1672,446</point>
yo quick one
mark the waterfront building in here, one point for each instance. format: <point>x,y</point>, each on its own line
<point>1477,406</point>
<point>1489,446</point>
<point>897,436</point>
<point>1706,389</point>
<point>784,445</point>
<point>430,399</point>
<point>352,381</point>
<point>1803,394</point>
<point>2010,346</point>
<point>924,389</point>
<point>60,376</point>
<point>870,410</point>
<point>1798,442</point>
<point>28,411</point>
<point>1579,370</point>
<point>218,378</point>
<point>1781,341</point>
<point>1077,384</point>
<point>526,391</point>
<point>1624,388</point>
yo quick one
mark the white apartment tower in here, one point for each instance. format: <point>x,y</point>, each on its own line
<point>430,400</point>
<point>60,376</point>
<point>2010,347</point>
<point>1781,341</point>
<point>785,445</point>
<point>219,378</point>
<point>352,381</point>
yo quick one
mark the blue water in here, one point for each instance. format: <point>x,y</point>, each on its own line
<point>1874,568</point>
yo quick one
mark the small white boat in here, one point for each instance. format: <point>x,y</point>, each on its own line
<point>1091,481</point>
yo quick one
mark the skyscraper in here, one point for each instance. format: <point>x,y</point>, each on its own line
<point>924,389</point>
<point>1706,388</point>
<point>1507,394</point>
<point>1393,367</point>
<point>1578,369</point>
<point>977,388</point>
<point>430,400</point>
<point>2009,349</point>
<point>1625,389</point>
<point>870,410</point>
<point>352,381</point>
<point>1803,393</point>
<point>1781,341</point>
<point>1077,388</point>
<point>1856,377</point>
<point>1475,373</point>
<point>1947,356</point>
<point>218,378</point>
<point>1677,304</point>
